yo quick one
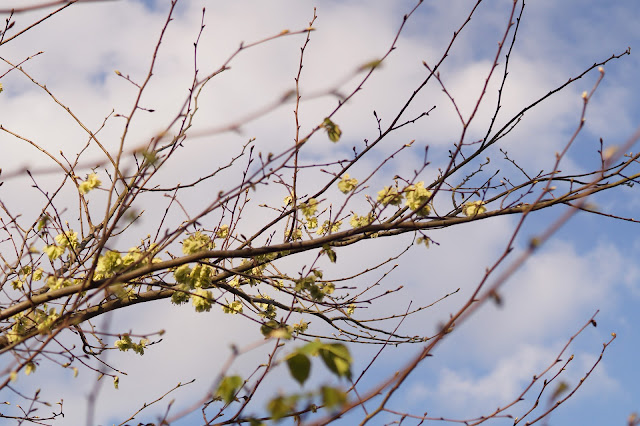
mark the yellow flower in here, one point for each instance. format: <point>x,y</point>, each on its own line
<point>29,368</point>
<point>202,300</point>
<point>197,242</point>
<point>417,195</point>
<point>296,235</point>
<point>358,221</point>
<point>389,195</point>
<point>328,226</point>
<point>108,264</point>
<point>474,208</point>
<point>53,251</point>
<point>312,223</point>
<point>68,238</point>
<point>347,183</point>
<point>223,232</point>
<point>309,208</point>
<point>351,309</point>
<point>92,182</point>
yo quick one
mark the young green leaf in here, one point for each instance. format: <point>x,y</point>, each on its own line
<point>333,131</point>
<point>330,253</point>
<point>299,367</point>
<point>337,359</point>
<point>228,388</point>
<point>280,406</point>
<point>333,397</point>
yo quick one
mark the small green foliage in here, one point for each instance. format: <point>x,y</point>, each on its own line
<point>333,131</point>
<point>560,389</point>
<point>331,254</point>
<point>299,367</point>
<point>21,324</point>
<point>44,220</point>
<point>337,359</point>
<point>116,381</point>
<point>333,397</point>
<point>276,330</point>
<point>234,307</point>
<point>282,405</point>
<point>45,318</point>
<point>268,309</point>
<point>228,388</point>
<point>150,157</point>
<point>308,284</point>
<point>300,327</point>
<point>200,276</point>
<point>423,240</point>
<point>26,273</point>
<point>125,343</point>
<point>41,319</point>
<point>370,65</point>
<point>335,356</point>
<point>29,368</point>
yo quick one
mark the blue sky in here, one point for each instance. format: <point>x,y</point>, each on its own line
<point>589,265</point>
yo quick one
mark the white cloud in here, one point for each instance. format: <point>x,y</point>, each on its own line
<point>459,393</point>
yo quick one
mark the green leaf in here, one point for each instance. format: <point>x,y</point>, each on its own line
<point>370,65</point>
<point>333,131</point>
<point>337,359</point>
<point>228,388</point>
<point>330,253</point>
<point>333,397</point>
<point>281,406</point>
<point>299,367</point>
<point>311,348</point>
<point>43,222</point>
<point>275,330</point>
